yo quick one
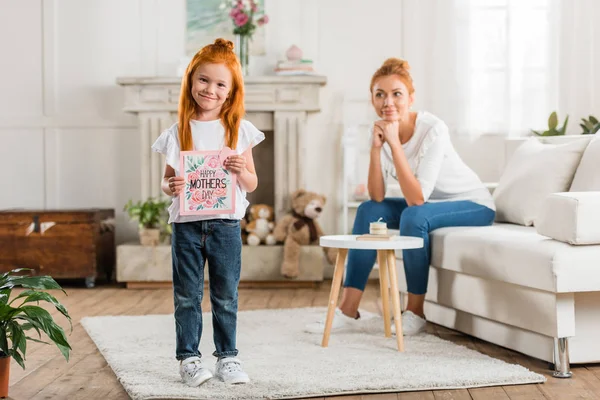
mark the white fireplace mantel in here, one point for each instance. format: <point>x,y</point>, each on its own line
<point>273,103</point>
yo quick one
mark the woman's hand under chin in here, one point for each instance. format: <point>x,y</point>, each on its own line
<point>390,131</point>
<point>377,138</point>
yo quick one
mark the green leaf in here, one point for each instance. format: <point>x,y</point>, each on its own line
<point>593,120</point>
<point>13,272</point>
<point>32,282</point>
<point>7,312</point>
<point>30,324</point>
<point>54,332</point>
<point>552,121</point>
<point>18,358</point>
<point>584,129</point>
<point>17,337</point>
<point>32,295</point>
<point>563,130</point>
<point>36,340</point>
<point>537,132</point>
<point>4,296</point>
<point>3,340</point>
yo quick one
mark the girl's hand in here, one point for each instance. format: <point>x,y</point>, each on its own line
<point>377,140</point>
<point>235,164</point>
<point>176,184</point>
<point>391,131</point>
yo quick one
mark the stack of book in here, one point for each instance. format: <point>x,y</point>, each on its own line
<point>297,67</point>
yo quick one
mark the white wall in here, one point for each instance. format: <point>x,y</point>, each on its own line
<point>64,141</point>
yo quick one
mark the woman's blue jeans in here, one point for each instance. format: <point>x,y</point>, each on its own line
<point>219,242</point>
<point>413,221</point>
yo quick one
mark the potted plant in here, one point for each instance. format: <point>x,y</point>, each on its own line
<point>590,126</point>
<point>21,314</point>
<point>553,125</point>
<point>151,217</point>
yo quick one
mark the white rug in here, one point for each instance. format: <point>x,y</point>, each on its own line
<point>285,362</point>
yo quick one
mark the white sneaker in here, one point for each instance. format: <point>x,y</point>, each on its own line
<point>341,323</point>
<point>229,370</point>
<point>193,372</point>
<point>412,324</point>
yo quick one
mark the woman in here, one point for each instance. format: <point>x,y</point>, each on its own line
<point>438,190</point>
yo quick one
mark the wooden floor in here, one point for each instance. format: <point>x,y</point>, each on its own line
<point>87,376</point>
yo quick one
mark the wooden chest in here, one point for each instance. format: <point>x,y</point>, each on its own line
<point>61,243</point>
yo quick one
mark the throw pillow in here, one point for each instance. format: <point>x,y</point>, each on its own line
<point>535,171</point>
<point>587,175</point>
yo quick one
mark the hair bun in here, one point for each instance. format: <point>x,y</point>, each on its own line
<point>397,63</point>
<point>224,43</point>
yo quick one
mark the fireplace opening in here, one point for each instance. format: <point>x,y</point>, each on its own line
<point>264,162</point>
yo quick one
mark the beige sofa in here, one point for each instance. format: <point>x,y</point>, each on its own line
<point>531,288</point>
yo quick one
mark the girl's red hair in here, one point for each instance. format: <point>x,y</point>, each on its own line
<point>394,66</point>
<point>220,52</point>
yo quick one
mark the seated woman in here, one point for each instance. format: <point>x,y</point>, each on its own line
<point>438,190</point>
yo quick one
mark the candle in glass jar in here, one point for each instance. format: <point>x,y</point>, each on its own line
<point>378,228</point>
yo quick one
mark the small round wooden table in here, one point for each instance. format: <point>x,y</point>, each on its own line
<point>387,274</point>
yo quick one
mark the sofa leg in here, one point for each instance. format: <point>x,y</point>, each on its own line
<point>562,367</point>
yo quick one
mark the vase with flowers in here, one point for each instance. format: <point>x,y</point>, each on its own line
<point>246,16</point>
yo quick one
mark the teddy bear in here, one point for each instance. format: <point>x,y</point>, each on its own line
<point>298,228</point>
<point>261,225</point>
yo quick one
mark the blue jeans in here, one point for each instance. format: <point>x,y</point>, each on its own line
<point>219,242</point>
<point>413,221</point>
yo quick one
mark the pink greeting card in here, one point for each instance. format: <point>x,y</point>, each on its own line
<point>209,187</point>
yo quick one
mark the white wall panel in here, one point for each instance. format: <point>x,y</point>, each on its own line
<point>22,166</point>
<point>95,42</point>
<point>20,58</point>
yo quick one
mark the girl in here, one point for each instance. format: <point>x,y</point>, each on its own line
<point>211,106</point>
<point>438,189</point>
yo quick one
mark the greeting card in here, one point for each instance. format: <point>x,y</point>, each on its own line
<point>209,187</point>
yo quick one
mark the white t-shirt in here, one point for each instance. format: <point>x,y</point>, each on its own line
<point>207,135</point>
<point>443,175</point>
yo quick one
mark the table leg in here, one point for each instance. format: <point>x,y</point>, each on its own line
<point>391,258</point>
<point>385,291</point>
<point>338,273</point>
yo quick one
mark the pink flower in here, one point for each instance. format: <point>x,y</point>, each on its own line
<point>213,162</point>
<point>234,13</point>
<point>197,197</point>
<point>220,192</point>
<point>220,174</point>
<point>209,203</point>
<point>253,6</point>
<point>263,20</point>
<point>241,19</point>
<point>193,176</point>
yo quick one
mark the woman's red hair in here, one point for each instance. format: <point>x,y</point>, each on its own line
<point>220,52</point>
<point>394,66</point>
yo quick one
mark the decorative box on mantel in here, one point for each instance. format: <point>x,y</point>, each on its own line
<point>273,103</point>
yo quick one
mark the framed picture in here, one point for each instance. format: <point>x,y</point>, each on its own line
<point>207,20</point>
<point>209,187</point>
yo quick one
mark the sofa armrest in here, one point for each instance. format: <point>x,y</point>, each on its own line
<point>571,217</point>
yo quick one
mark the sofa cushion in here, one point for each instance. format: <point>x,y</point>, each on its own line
<point>587,176</point>
<point>571,217</point>
<point>517,254</point>
<point>534,171</point>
